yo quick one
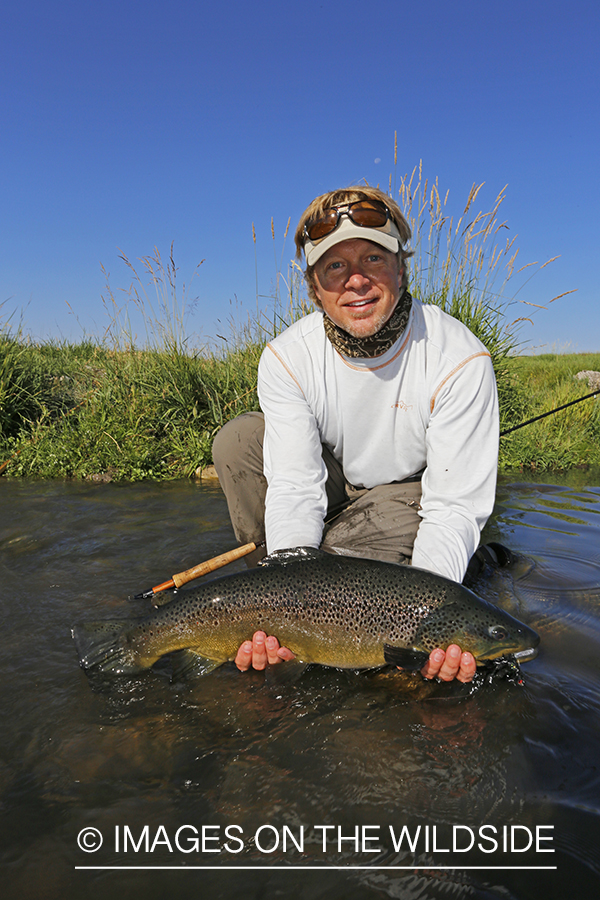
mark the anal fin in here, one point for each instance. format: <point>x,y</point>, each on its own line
<point>284,673</point>
<point>189,662</point>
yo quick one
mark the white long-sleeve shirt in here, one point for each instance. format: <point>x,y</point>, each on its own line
<point>429,403</point>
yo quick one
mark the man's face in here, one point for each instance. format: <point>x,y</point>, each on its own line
<point>358,284</point>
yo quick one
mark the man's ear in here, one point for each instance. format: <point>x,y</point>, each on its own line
<point>400,274</point>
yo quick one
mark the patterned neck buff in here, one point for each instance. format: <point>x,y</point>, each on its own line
<point>377,344</point>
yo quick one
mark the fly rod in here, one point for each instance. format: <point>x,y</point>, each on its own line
<point>211,565</point>
<point>543,415</point>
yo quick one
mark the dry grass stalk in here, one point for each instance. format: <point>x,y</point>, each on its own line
<point>163,320</point>
<point>455,259</point>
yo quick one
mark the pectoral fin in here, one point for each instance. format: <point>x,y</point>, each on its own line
<point>411,660</point>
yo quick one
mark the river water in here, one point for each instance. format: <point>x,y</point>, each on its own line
<point>226,787</point>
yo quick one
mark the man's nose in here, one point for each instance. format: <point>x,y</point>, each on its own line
<point>357,278</point>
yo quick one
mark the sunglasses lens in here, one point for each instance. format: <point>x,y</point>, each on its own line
<point>368,215</point>
<point>365,213</point>
<point>323,226</point>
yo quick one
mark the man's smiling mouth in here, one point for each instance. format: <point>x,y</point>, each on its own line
<point>357,304</point>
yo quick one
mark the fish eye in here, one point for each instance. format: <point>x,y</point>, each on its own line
<point>498,633</point>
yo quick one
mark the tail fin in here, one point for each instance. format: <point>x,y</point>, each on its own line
<point>102,646</point>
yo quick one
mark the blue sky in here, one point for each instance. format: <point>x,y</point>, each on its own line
<point>134,124</point>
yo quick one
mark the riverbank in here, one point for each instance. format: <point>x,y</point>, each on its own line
<point>106,410</point>
<point>571,437</point>
<point>86,412</point>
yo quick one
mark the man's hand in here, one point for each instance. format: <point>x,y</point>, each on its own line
<point>449,665</point>
<point>260,651</point>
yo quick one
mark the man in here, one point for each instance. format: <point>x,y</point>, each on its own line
<point>380,417</point>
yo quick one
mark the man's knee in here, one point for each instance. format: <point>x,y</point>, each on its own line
<point>381,524</point>
<point>239,439</point>
<point>237,455</point>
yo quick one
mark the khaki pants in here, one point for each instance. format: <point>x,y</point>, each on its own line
<point>380,523</point>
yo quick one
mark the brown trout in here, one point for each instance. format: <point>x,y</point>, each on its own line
<point>333,610</point>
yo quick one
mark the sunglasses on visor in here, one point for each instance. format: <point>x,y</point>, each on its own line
<point>366,213</point>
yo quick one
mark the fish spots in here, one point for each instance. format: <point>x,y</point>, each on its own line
<point>336,610</point>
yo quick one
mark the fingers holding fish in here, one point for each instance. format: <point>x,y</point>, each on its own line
<point>281,654</point>
<point>450,664</point>
<point>260,652</point>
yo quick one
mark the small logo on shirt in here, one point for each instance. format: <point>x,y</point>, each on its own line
<point>401,405</point>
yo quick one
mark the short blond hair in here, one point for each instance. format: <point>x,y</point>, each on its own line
<point>339,198</point>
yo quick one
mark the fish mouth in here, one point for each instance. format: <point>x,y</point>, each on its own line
<point>516,656</point>
<point>525,655</point>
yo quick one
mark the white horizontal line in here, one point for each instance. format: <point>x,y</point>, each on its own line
<point>317,868</point>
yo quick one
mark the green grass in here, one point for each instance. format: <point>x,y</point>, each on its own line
<point>569,438</point>
<point>82,411</point>
<point>126,408</point>
<point>129,415</point>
